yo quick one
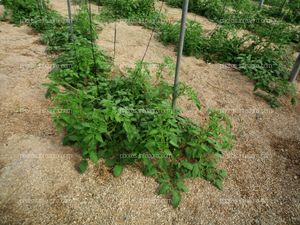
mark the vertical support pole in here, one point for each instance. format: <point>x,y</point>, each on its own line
<point>91,35</point>
<point>180,49</point>
<point>261,3</point>
<point>70,19</point>
<point>296,70</point>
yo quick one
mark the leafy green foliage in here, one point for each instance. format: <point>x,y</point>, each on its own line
<point>137,12</point>
<point>258,61</point>
<point>169,33</point>
<point>24,10</point>
<point>127,118</point>
<point>269,68</point>
<point>220,47</point>
<point>130,8</point>
<point>245,15</point>
<point>132,116</point>
<point>211,9</point>
<point>117,170</point>
<point>290,11</point>
<point>82,24</point>
<point>83,166</point>
<point>76,67</point>
<point>262,62</point>
<point>54,28</point>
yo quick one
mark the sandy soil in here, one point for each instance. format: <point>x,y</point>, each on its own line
<point>38,181</point>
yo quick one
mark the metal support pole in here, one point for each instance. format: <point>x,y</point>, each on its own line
<point>70,19</point>
<point>296,70</point>
<point>180,49</point>
<point>91,36</point>
<point>261,3</point>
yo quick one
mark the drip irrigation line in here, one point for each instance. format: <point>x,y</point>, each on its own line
<point>153,30</point>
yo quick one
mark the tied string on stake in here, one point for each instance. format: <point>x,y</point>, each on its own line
<point>115,42</point>
<point>115,36</point>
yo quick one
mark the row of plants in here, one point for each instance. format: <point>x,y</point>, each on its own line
<point>124,117</point>
<point>244,15</point>
<point>288,10</point>
<point>264,63</point>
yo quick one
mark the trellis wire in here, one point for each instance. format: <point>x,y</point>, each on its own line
<point>180,50</point>
<point>152,33</point>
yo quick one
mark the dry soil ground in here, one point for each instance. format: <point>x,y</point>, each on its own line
<point>38,181</point>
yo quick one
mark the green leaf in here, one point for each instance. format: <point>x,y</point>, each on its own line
<point>181,186</point>
<point>98,137</point>
<point>222,173</point>
<point>83,165</point>
<point>164,188</point>
<point>94,157</point>
<point>162,163</point>
<point>176,198</point>
<point>174,143</point>
<point>117,170</point>
<point>150,171</point>
<point>187,165</point>
<point>218,184</point>
<point>150,145</point>
<point>103,128</point>
<point>110,162</point>
<point>196,171</point>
